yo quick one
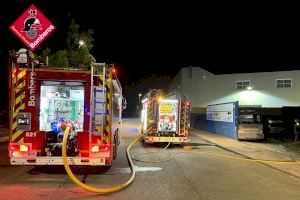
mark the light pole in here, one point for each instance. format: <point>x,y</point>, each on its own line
<point>137,107</point>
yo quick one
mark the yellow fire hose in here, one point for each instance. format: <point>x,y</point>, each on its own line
<point>153,161</point>
<point>91,188</point>
<point>240,158</point>
<point>133,157</point>
<point>187,149</point>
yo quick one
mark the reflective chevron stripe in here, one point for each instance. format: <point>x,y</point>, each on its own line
<point>108,123</point>
<point>19,87</point>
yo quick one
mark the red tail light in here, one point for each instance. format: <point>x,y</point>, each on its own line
<point>18,147</point>
<point>187,104</point>
<point>114,71</point>
<point>12,147</point>
<point>100,148</point>
<point>105,148</point>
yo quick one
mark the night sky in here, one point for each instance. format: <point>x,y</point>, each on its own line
<point>147,38</point>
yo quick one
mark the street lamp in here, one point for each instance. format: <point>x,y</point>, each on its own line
<point>249,87</point>
<point>81,43</point>
<point>137,107</point>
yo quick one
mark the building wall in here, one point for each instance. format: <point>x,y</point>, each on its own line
<point>205,88</point>
<point>194,82</point>
<point>264,92</point>
<point>175,83</point>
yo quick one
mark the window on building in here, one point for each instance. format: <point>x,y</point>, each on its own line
<point>284,83</point>
<point>242,85</point>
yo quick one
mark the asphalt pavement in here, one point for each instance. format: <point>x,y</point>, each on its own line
<point>188,176</point>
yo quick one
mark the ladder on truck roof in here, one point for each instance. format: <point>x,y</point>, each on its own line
<point>98,100</point>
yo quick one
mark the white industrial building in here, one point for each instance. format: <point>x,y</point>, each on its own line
<point>265,89</point>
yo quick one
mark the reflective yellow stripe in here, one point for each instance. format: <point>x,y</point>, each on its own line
<point>20,98</point>
<point>16,134</point>
<point>21,74</point>
<point>21,85</point>
<point>21,141</point>
<point>14,125</point>
<point>18,109</point>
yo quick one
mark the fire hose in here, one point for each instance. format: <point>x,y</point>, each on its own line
<point>108,190</point>
<point>92,188</point>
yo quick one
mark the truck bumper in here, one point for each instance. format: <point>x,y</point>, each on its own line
<point>58,161</point>
<point>151,139</point>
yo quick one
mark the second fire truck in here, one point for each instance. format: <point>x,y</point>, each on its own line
<point>165,118</point>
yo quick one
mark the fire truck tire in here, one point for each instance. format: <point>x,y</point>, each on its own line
<point>118,137</point>
<point>142,139</point>
<point>115,146</point>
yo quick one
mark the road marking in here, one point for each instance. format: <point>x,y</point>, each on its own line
<point>144,169</point>
<point>127,170</point>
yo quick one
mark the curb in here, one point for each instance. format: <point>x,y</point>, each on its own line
<point>232,151</point>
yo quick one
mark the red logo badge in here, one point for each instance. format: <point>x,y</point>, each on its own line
<point>32,27</point>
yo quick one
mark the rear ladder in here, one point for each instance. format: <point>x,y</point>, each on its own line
<point>98,100</point>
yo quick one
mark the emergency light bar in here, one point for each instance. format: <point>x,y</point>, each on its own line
<point>169,101</point>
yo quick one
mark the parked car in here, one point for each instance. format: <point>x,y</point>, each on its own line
<point>276,128</point>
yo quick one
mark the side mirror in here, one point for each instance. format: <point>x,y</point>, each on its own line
<point>124,103</point>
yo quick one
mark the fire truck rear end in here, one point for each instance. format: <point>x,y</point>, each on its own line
<point>165,118</point>
<point>44,101</point>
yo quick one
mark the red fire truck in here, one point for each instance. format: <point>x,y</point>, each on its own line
<point>165,118</point>
<point>44,101</point>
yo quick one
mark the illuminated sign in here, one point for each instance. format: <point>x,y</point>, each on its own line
<point>32,27</point>
<point>166,109</point>
<point>167,116</point>
<point>220,112</point>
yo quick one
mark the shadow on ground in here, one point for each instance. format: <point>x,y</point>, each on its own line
<point>80,170</point>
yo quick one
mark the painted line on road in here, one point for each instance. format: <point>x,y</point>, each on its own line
<point>126,170</point>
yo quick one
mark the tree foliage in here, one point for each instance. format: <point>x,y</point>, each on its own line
<point>59,59</point>
<point>77,51</point>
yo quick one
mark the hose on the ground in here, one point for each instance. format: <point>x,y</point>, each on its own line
<point>240,158</point>
<point>187,149</point>
<point>134,156</point>
<point>92,188</point>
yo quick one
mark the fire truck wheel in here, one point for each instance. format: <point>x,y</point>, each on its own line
<point>142,140</point>
<point>118,137</point>
<point>115,148</point>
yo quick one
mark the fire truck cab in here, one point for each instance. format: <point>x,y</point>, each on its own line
<point>45,100</point>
